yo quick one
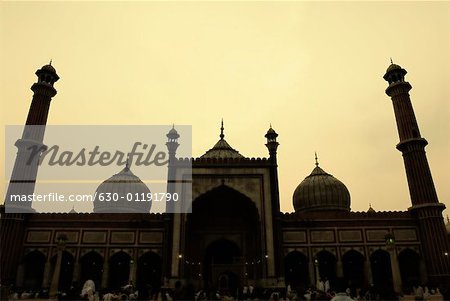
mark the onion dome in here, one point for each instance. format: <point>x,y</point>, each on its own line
<point>222,149</point>
<point>173,134</point>
<point>321,191</point>
<point>394,74</point>
<point>47,74</point>
<point>393,67</point>
<point>49,67</point>
<point>126,194</point>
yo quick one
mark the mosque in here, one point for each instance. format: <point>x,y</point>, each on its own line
<point>236,234</point>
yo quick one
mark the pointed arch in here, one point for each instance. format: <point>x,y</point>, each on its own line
<point>34,270</point>
<point>327,265</point>
<point>119,270</point>
<point>296,270</point>
<point>66,272</point>
<point>409,261</point>
<point>353,266</point>
<point>91,268</point>
<point>149,274</point>
<point>381,269</point>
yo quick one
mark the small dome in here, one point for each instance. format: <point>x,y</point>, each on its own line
<point>393,67</point>
<point>271,131</point>
<point>173,131</point>
<point>49,68</point>
<point>321,191</point>
<point>371,210</point>
<point>126,192</point>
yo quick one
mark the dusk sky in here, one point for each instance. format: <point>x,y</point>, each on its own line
<point>314,70</point>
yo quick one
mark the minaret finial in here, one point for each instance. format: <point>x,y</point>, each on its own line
<point>221,131</point>
<point>50,62</point>
<point>391,61</point>
<point>317,162</point>
<point>127,165</point>
<point>270,125</point>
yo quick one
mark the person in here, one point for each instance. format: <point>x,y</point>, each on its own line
<point>419,293</point>
<point>88,290</point>
<point>341,297</point>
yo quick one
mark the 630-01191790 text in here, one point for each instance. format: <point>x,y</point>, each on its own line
<point>138,197</point>
<point>102,197</point>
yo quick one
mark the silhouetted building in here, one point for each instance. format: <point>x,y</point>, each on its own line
<point>236,234</point>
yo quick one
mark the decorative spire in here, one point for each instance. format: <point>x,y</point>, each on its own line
<point>391,61</point>
<point>50,62</point>
<point>221,131</point>
<point>127,164</point>
<point>317,162</point>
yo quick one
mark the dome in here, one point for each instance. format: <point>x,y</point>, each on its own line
<point>393,67</point>
<point>49,68</point>
<point>321,191</point>
<point>126,194</point>
<point>271,131</point>
<point>222,149</point>
<point>173,134</point>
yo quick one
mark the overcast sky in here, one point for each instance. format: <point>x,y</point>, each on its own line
<point>312,70</point>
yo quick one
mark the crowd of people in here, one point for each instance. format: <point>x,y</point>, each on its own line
<point>321,291</point>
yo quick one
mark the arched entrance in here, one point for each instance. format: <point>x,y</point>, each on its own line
<point>327,266</point>
<point>353,264</point>
<point>91,265</point>
<point>408,261</point>
<point>149,273</point>
<point>119,270</point>
<point>381,269</point>
<point>222,234</point>
<point>296,270</point>
<point>66,273</point>
<point>222,265</point>
<point>34,270</point>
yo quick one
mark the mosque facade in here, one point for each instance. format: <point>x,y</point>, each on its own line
<point>236,234</point>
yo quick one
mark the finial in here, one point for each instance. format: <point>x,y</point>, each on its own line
<point>127,165</point>
<point>270,125</point>
<point>317,162</point>
<point>370,205</point>
<point>221,131</point>
<point>391,61</point>
<point>173,126</point>
<point>50,62</point>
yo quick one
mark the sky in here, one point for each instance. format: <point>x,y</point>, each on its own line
<point>311,69</point>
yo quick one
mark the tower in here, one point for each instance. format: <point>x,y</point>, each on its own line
<point>425,204</point>
<point>272,145</point>
<point>24,173</point>
<point>30,146</point>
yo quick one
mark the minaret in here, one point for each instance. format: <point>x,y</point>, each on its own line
<point>172,146</point>
<point>272,145</point>
<point>24,175</point>
<point>30,146</point>
<point>425,204</point>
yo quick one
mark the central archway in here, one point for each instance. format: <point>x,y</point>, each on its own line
<point>223,229</point>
